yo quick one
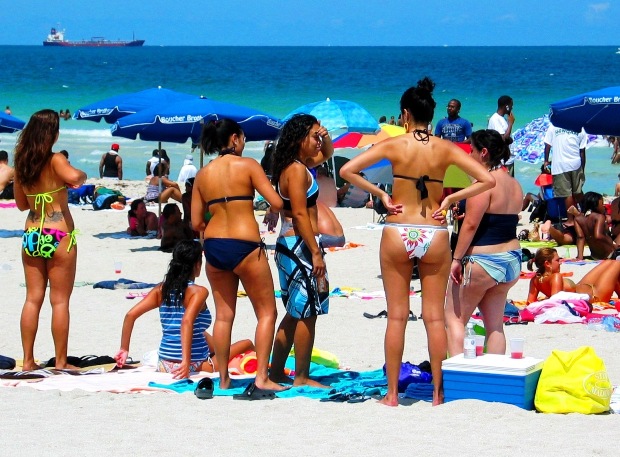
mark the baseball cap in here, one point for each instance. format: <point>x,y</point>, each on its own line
<point>115,147</point>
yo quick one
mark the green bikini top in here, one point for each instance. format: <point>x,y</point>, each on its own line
<point>42,199</point>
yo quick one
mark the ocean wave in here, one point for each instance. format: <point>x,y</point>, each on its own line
<point>99,133</point>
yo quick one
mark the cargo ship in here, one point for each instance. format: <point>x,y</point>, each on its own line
<point>57,38</point>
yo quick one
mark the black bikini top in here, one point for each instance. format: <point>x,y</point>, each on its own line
<point>312,193</point>
<point>229,199</point>
<point>421,183</point>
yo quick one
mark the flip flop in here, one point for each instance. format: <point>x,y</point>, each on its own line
<point>412,317</point>
<point>374,316</point>
<point>204,389</point>
<point>252,392</point>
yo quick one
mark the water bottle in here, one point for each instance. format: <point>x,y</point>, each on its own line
<point>322,285</point>
<point>469,342</point>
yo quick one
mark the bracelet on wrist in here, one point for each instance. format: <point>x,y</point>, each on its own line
<point>458,260</point>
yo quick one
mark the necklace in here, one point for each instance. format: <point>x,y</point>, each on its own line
<point>496,167</point>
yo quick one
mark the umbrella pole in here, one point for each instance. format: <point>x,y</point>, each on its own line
<point>160,186</point>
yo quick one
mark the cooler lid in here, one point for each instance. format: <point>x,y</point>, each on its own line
<point>494,364</point>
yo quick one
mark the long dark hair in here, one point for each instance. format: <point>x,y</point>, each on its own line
<point>134,206</point>
<point>289,143</point>
<point>419,101</point>
<point>34,146</point>
<point>181,268</point>
<point>216,134</point>
<point>494,143</point>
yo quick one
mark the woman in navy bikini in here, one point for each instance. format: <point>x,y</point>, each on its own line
<point>416,226</point>
<point>49,247</point>
<point>223,194</point>
<point>487,257</point>
<point>303,144</point>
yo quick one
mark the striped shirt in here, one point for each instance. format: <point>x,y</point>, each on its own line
<point>171,315</point>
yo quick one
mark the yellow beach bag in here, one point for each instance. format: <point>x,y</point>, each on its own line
<point>573,382</point>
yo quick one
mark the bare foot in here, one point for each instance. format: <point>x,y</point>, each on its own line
<point>270,385</point>
<point>389,400</point>
<point>224,383</point>
<point>438,398</point>
<point>66,366</point>
<point>283,379</point>
<point>31,366</point>
<point>309,382</point>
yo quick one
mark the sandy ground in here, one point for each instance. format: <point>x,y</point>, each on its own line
<point>77,422</point>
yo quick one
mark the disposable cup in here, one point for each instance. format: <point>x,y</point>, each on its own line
<point>479,345</point>
<point>118,266</point>
<point>516,347</point>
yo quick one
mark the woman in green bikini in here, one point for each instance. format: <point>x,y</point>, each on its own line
<point>49,249</point>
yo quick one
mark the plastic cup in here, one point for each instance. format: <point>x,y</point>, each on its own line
<point>118,266</point>
<point>516,347</point>
<point>479,345</point>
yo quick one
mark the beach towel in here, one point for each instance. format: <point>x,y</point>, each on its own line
<point>538,244</point>
<point>346,246</point>
<point>561,308</point>
<point>123,283</point>
<point>580,262</point>
<point>11,233</point>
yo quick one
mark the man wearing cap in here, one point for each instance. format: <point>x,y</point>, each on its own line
<point>188,170</point>
<point>111,164</point>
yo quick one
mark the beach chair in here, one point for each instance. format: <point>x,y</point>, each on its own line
<point>379,210</point>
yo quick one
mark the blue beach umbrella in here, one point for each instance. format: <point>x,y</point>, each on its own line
<point>113,108</point>
<point>529,141</point>
<point>339,115</point>
<point>597,112</point>
<point>10,124</point>
<point>180,121</point>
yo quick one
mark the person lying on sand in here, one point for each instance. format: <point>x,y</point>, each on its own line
<point>599,283</point>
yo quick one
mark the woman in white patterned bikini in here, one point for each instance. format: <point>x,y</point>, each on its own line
<point>416,226</point>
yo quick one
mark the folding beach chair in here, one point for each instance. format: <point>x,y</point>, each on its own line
<point>379,210</point>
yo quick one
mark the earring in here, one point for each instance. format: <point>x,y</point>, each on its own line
<point>406,127</point>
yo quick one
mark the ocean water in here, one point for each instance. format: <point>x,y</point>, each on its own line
<point>279,79</point>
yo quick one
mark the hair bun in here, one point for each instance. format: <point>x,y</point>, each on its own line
<point>426,84</point>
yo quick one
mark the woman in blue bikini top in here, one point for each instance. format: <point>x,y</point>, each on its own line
<point>416,225</point>
<point>49,251</point>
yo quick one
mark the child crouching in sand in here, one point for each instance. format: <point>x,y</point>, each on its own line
<point>185,345</point>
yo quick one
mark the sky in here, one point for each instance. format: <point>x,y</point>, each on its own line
<point>318,22</point>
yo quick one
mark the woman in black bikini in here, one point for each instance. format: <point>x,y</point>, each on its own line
<point>233,248</point>
<point>416,226</point>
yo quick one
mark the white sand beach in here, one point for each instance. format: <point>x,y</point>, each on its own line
<point>77,422</point>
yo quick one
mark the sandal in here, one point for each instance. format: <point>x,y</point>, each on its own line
<point>252,392</point>
<point>204,389</point>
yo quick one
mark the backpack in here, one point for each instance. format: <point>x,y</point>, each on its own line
<point>540,211</point>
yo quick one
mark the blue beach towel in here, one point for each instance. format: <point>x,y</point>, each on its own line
<point>123,283</point>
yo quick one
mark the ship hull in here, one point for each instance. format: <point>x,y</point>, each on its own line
<point>94,44</point>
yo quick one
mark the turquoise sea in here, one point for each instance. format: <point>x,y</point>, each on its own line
<point>279,79</point>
